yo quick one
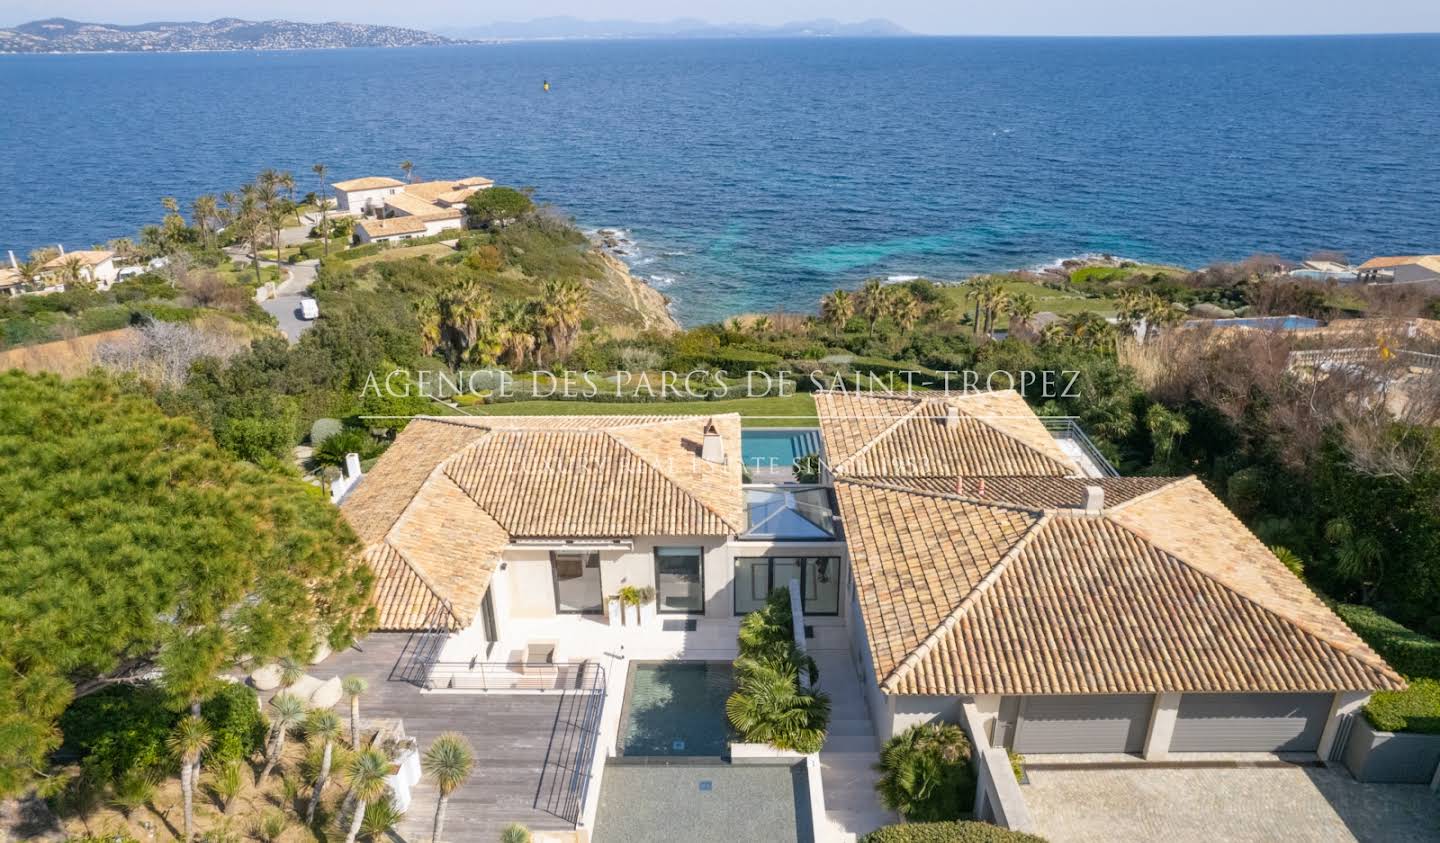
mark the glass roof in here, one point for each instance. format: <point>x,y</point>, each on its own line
<point>801,513</point>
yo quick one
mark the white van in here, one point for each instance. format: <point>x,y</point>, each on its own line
<point>309,309</point>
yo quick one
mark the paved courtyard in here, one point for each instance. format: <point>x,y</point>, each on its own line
<point>1180,805</point>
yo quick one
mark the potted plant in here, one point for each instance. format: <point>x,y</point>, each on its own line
<point>637,596</point>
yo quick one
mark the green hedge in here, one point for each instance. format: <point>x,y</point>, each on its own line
<point>953,832</point>
<point>1407,651</point>
<point>1416,709</point>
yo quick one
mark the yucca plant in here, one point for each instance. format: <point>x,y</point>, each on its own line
<point>134,790</point>
<point>924,772</point>
<point>321,727</point>
<point>769,706</point>
<point>449,761</point>
<point>354,686</point>
<point>188,742</point>
<point>227,780</point>
<point>515,833</point>
<point>286,710</point>
<point>366,776</point>
<point>381,816</point>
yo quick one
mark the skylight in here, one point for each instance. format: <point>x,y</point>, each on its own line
<point>789,514</point>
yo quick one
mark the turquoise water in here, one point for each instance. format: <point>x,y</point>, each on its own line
<point>777,448</point>
<point>677,708</point>
<point>1269,323</point>
<point>760,174</point>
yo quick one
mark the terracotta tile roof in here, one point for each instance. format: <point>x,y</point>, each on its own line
<point>366,183</point>
<point>1430,262</point>
<point>1033,492</point>
<point>431,191</point>
<point>87,257</point>
<point>392,226</point>
<point>411,205</point>
<point>1164,592</point>
<point>447,497</point>
<point>992,433</point>
<point>475,181</point>
<point>455,197</point>
<point>406,602</point>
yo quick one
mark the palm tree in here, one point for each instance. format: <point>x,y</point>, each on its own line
<point>366,775</point>
<point>354,686</point>
<point>287,711</point>
<point>920,771</point>
<point>427,313</point>
<point>189,741</point>
<point>905,311</point>
<point>30,271</point>
<point>286,182</point>
<point>246,220</point>
<point>1021,309</point>
<point>769,706</point>
<point>872,302</point>
<point>408,168</point>
<point>320,170</point>
<point>997,302</point>
<point>836,309</point>
<point>562,304</point>
<point>321,725</point>
<point>449,761</point>
<point>516,338</point>
<point>72,271</point>
<point>205,210</point>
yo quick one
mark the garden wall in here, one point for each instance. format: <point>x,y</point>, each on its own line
<point>1399,757</point>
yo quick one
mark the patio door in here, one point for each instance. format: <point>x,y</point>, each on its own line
<point>577,583</point>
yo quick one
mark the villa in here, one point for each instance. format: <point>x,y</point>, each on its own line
<point>1407,269</point>
<point>395,210</point>
<point>954,560</point>
<point>94,266</point>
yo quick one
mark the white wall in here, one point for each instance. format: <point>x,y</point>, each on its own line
<point>437,226</point>
<point>914,710</point>
<point>359,200</point>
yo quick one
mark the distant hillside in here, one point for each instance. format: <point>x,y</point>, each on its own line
<point>60,35</point>
<point>570,27</point>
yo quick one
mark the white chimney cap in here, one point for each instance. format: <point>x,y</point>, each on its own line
<point>1094,500</point>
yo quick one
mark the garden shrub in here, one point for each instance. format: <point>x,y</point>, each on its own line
<point>949,832</point>
<point>118,730</point>
<point>770,704</point>
<point>237,728</point>
<point>1415,709</point>
<point>1409,652</point>
<point>925,773</point>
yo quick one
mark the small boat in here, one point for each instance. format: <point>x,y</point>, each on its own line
<point>547,84</point>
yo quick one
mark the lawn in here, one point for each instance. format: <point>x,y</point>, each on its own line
<point>243,273</point>
<point>1062,302</point>
<point>434,250</point>
<point>796,410</point>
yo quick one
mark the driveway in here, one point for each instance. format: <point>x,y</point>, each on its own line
<point>1180,805</point>
<point>285,307</point>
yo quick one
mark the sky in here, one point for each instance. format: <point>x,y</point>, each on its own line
<point>937,17</point>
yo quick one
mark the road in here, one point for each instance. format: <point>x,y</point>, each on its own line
<point>285,307</point>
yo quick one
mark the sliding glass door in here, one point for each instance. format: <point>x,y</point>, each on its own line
<point>679,580</point>
<point>819,577</point>
<point>577,583</point>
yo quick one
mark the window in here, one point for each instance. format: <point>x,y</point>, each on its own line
<point>819,576</point>
<point>577,583</point>
<point>679,579</point>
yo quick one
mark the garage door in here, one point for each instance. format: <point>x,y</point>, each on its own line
<point>1083,724</point>
<point>1250,722</point>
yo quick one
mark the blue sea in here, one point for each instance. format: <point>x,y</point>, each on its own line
<point>759,174</point>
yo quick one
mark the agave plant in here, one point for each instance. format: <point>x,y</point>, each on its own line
<point>515,833</point>
<point>381,816</point>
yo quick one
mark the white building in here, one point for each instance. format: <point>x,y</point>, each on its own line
<point>365,195</point>
<point>1410,269</point>
<point>94,266</point>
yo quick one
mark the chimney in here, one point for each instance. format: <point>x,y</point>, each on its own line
<point>960,484</point>
<point>352,466</point>
<point>14,264</point>
<point>713,449</point>
<point>952,416</point>
<point>1094,500</point>
<point>980,488</point>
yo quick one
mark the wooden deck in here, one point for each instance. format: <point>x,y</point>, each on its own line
<point>525,745</point>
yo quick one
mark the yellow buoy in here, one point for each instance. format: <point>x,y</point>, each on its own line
<point>547,84</point>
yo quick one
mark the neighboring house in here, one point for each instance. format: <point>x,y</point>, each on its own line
<point>11,282</point>
<point>475,526</point>
<point>1062,614</point>
<point>365,195</point>
<point>982,574</point>
<point>95,266</point>
<point>1412,269</point>
<point>402,228</point>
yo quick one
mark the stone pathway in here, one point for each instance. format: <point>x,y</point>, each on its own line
<point>851,750</point>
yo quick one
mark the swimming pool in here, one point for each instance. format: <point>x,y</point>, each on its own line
<point>676,709</point>
<point>777,448</point>
<point>1266,323</point>
<point>703,803</point>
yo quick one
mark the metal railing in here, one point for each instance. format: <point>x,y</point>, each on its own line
<point>1069,427</point>
<point>476,675</point>
<point>1333,356</point>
